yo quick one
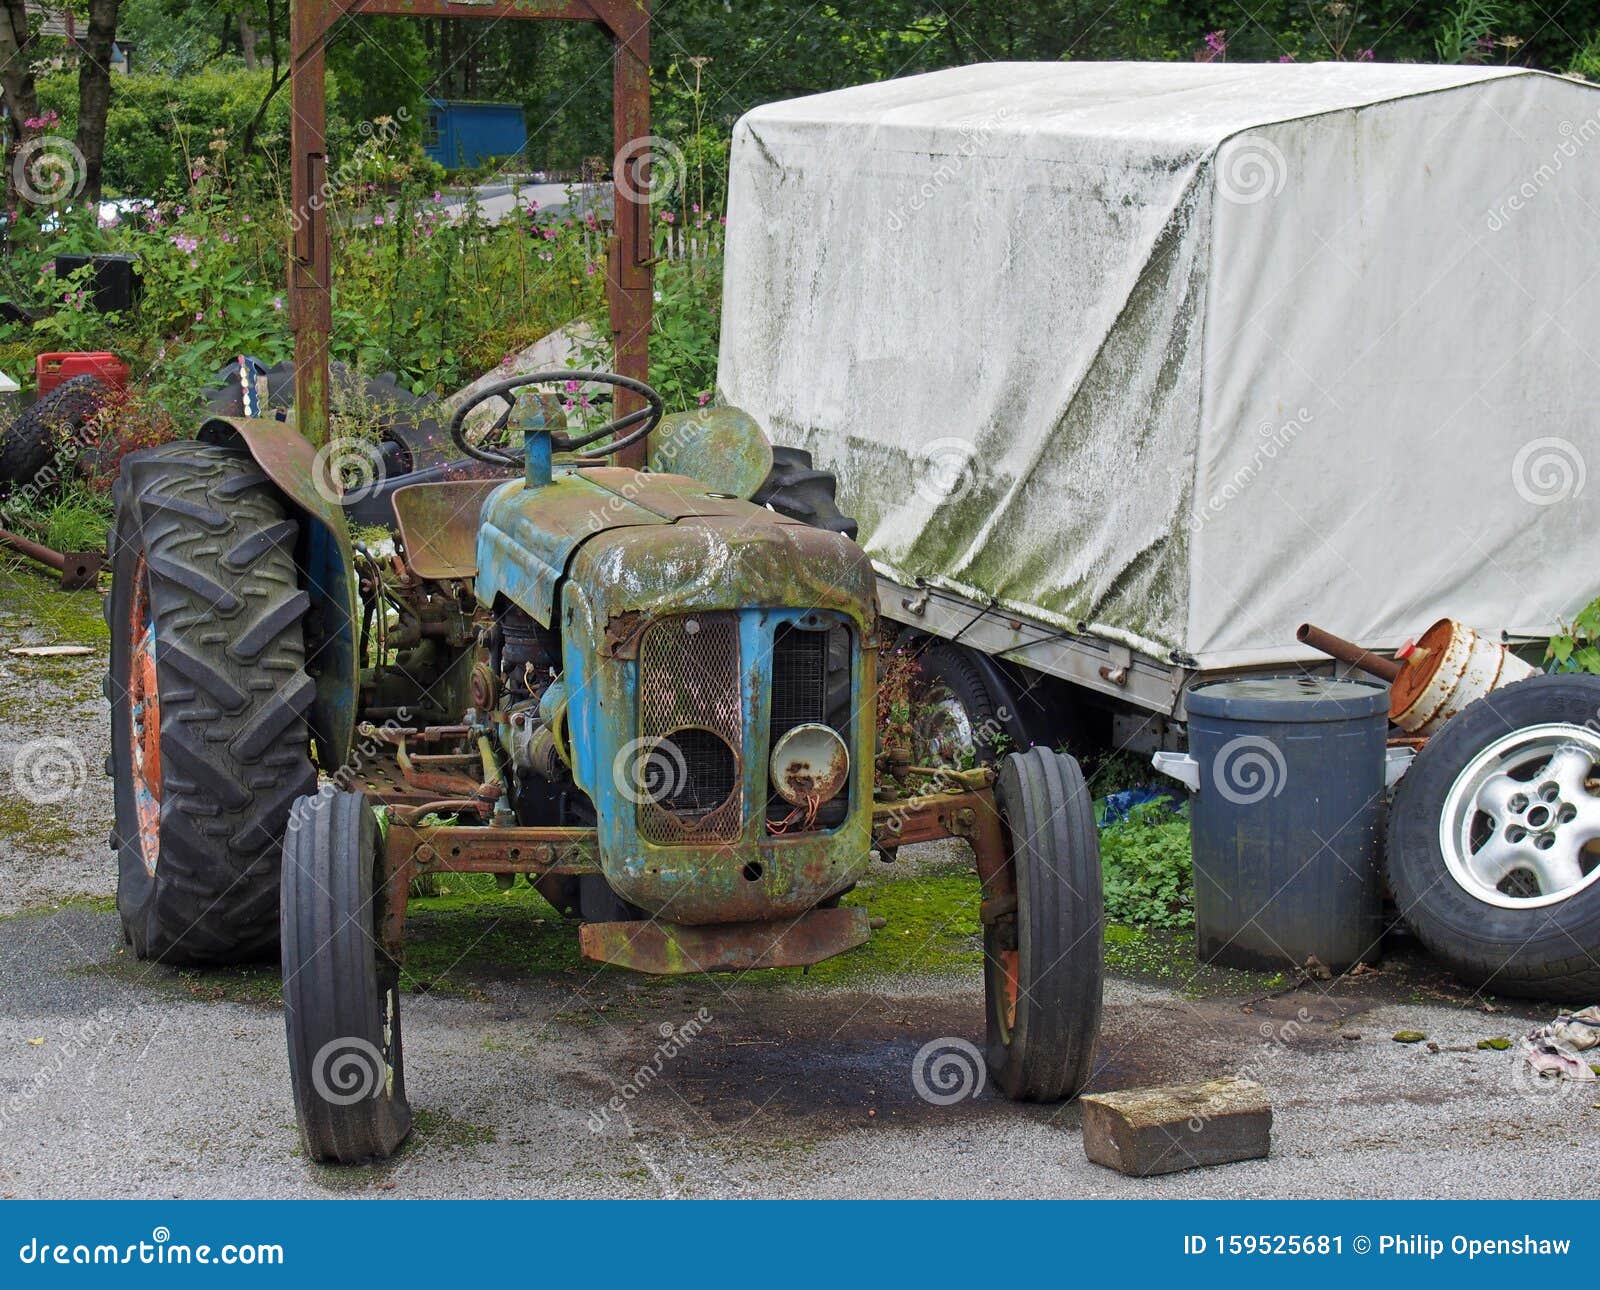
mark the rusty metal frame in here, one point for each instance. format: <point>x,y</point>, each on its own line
<point>410,850</point>
<point>628,273</point>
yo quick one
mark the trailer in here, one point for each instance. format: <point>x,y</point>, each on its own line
<point>1127,370</point>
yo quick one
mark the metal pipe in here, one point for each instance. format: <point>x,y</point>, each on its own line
<point>1385,669</point>
<point>31,549</point>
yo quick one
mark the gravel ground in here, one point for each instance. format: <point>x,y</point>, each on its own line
<point>119,1078</point>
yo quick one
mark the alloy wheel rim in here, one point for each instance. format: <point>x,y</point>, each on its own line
<point>1520,828</point>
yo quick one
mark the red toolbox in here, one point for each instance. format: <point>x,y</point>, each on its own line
<point>52,369</point>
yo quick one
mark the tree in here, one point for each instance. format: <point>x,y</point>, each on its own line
<point>16,84</point>
<point>94,91</point>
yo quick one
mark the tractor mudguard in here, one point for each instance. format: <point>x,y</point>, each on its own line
<point>325,556</point>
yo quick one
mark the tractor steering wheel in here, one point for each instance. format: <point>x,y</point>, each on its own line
<point>645,419</point>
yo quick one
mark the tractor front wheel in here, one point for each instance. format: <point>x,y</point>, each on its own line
<point>1043,960</point>
<point>341,993</point>
<point>208,692</point>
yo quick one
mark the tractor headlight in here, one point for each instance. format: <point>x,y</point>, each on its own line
<point>810,765</point>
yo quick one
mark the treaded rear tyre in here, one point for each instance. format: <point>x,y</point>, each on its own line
<point>203,556</point>
<point>795,488</point>
<point>1043,969</point>
<point>341,995</point>
<point>1544,952</point>
<point>48,435</point>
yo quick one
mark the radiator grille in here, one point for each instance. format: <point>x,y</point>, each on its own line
<point>799,679</point>
<point>691,715</point>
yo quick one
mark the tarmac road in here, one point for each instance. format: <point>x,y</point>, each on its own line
<point>124,1079</point>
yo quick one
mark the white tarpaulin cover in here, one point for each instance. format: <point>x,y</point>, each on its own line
<point>1185,355</point>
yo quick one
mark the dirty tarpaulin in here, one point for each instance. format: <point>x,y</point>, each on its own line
<point>1555,1048</point>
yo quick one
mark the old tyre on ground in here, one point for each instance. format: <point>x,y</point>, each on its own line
<point>41,447</point>
<point>1043,967</point>
<point>1494,841</point>
<point>796,488</point>
<point>208,691</point>
<point>341,993</point>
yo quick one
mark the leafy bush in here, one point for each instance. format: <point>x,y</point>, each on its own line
<point>1146,866</point>
<point>1577,648</point>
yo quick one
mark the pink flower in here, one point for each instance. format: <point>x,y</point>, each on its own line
<point>571,387</point>
<point>1286,58</point>
<point>704,399</point>
<point>377,221</point>
<point>591,268</point>
<point>1365,56</point>
<point>199,317</point>
<point>277,302</point>
<point>667,217</point>
<point>185,243</point>
<point>1217,42</point>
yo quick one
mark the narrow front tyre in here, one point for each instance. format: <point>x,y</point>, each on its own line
<point>1043,960</point>
<point>341,992</point>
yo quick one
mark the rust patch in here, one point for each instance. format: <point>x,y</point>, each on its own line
<point>667,949</point>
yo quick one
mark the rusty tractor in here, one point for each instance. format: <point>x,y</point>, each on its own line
<point>586,660</point>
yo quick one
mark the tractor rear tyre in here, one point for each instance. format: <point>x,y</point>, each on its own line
<point>208,692</point>
<point>794,487</point>
<point>1043,966</point>
<point>341,993</point>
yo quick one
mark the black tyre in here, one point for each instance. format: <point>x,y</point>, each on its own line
<point>1043,965</point>
<point>406,422</point>
<point>208,692</point>
<point>41,448</point>
<point>1494,841</point>
<point>341,994</point>
<point>963,713</point>
<point>797,489</point>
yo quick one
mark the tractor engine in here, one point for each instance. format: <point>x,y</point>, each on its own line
<point>697,683</point>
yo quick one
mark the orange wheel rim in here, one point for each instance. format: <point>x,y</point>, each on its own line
<point>144,719</point>
<point>1008,989</point>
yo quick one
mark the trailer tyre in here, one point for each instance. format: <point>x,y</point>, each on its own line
<point>1043,964</point>
<point>208,692</point>
<point>1494,841</point>
<point>963,714</point>
<point>796,488</point>
<point>341,993</point>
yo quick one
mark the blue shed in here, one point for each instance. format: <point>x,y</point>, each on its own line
<point>463,133</point>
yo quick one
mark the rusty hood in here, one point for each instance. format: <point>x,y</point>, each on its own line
<point>644,544</point>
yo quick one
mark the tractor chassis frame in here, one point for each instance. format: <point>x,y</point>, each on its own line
<point>960,805</point>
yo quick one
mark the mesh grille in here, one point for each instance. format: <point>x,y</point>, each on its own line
<point>799,679</point>
<point>689,684</point>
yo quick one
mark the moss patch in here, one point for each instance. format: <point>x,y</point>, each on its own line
<point>35,829</point>
<point>34,600</point>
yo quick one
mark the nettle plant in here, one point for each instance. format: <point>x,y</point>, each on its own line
<point>1577,648</point>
